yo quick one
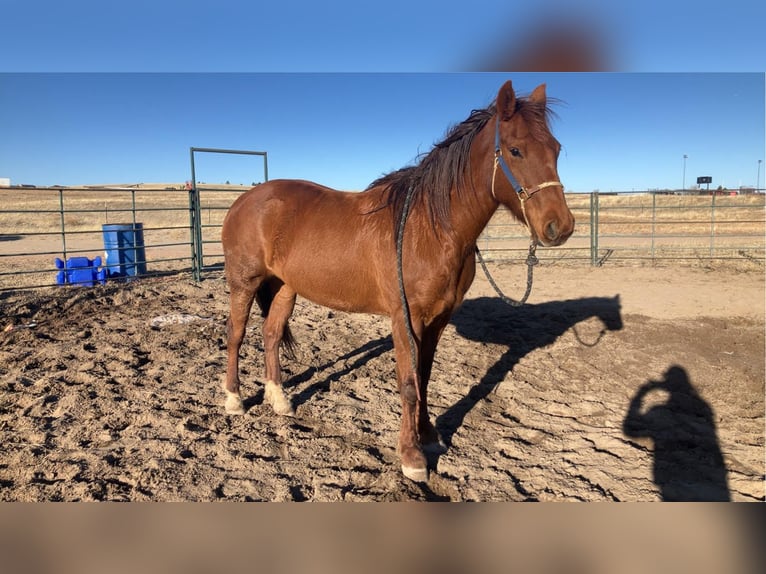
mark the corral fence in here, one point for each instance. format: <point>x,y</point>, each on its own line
<point>646,226</point>
<point>180,228</point>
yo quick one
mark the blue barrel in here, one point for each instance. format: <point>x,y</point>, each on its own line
<point>124,249</point>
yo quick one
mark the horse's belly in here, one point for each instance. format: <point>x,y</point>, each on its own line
<point>344,303</point>
<point>340,298</point>
<point>344,287</point>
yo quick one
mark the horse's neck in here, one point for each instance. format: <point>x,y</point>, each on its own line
<point>473,207</point>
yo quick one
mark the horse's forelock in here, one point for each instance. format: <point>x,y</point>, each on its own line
<point>537,115</point>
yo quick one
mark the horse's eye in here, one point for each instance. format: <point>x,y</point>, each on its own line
<point>515,152</point>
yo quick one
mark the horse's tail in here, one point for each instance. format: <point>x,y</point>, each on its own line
<point>264,296</point>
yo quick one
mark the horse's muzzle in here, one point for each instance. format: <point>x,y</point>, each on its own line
<point>557,231</point>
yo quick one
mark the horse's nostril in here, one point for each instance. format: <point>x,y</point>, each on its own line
<point>552,231</point>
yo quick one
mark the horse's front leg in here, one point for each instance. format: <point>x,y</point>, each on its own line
<point>410,449</point>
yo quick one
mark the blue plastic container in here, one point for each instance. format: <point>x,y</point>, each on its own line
<point>124,249</point>
<point>80,271</point>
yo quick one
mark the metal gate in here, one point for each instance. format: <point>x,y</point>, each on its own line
<point>196,224</point>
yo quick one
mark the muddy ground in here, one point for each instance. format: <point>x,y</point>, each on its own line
<point>613,383</point>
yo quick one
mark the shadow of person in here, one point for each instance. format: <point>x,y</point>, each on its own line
<point>688,464</point>
<point>522,330</point>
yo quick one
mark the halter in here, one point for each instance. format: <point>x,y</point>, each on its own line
<point>523,193</point>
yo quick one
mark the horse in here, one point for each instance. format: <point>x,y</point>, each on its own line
<point>338,249</point>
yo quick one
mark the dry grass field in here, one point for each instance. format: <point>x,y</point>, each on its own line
<point>636,226</point>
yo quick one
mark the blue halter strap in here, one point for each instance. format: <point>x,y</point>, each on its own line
<point>501,161</point>
<point>520,190</point>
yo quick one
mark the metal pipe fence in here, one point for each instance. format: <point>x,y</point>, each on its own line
<point>646,227</point>
<point>38,225</point>
<point>181,229</point>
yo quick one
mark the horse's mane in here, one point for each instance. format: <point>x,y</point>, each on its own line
<point>446,166</point>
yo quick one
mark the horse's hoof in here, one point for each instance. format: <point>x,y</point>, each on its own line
<point>414,464</point>
<point>285,410</point>
<point>276,397</point>
<point>234,405</point>
<point>415,474</point>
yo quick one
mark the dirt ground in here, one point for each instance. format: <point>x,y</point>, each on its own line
<point>614,383</point>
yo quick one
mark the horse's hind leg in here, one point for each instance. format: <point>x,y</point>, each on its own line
<point>240,302</point>
<point>275,333</point>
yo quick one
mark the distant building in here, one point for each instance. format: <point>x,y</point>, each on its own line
<point>5,182</point>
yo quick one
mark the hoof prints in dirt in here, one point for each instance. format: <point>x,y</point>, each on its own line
<point>565,400</point>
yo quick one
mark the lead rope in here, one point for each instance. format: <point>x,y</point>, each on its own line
<point>532,259</point>
<point>402,294</point>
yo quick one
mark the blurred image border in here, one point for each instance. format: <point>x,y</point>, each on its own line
<point>404,537</point>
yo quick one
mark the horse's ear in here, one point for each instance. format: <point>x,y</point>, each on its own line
<point>506,101</point>
<point>539,94</point>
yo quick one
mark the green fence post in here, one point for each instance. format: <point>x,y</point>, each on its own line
<point>63,227</point>
<point>594,228</point>
<point>654,221</point>
<point>712,225</point>
<point>194,222</point>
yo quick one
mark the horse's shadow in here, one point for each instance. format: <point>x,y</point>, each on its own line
<point>361,356</point>
<point>488,320</point>
<point>521,330</point>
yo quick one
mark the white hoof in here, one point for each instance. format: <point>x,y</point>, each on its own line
<point>415,474</point>
<point>275,395</point>
<point>234,405</point>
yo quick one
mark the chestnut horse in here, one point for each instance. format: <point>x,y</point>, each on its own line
<point>285,238</point>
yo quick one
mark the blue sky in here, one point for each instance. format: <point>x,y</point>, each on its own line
<point>620,131</point>
<point>690,81</point>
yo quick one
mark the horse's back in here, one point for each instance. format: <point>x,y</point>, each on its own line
<point>266,205</point>
<point>278,191</point>
<point>293,209</point>
<point>293,195</point>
